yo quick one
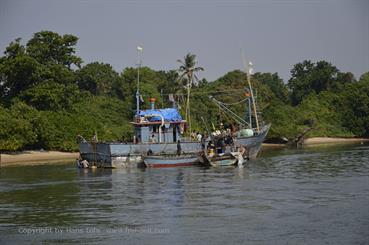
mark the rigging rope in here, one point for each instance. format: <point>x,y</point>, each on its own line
<point>236,103</point>
<point>201,92</point>
<point>237,118</point>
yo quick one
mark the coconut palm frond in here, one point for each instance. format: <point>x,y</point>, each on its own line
<point>181,62</point>
<point>195,80</point>
<point>198,69</point>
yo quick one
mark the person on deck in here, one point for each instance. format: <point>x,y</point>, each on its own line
<point>153,138</point>
<point>203,140</point>
<point>199,136</point>
<point>179,148</point>
<point>193,135</point>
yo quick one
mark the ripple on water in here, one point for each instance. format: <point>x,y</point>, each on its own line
<point>302,196</point>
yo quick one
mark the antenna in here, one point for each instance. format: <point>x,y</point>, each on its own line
<point>139,51</point>
<point>249,70</point>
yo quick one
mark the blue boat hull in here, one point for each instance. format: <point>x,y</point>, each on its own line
<point>169,161</point>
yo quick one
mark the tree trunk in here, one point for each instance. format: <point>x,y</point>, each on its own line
<point>188,102</point>
<point>189,112</point>
<point>299,139</point>
<point>188,115</point>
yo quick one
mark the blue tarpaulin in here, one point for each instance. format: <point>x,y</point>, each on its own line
<point>169,114</point>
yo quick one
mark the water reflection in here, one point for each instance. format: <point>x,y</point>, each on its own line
<point>38,194</point>
<point>314,162</point>
<point>308,195</point>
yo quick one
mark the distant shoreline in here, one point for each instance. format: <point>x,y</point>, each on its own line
<point>55,157</point>
<point>37,158</point>
<point>333,140</point>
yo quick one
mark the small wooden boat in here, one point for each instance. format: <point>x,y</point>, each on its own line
<point>224,159</point>
<point>221,160</point>
<point>162,161</point>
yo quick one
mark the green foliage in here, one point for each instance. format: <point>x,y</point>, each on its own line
<point>307,77</point>
<point>354,106</point>
<point>49,47</point>
<point>275,83</point>
<point>364,78</point>
<point>319,112</point>
<point>14,49</point>
<point>57,73</point>
<point>151,83</point>
<point>284,121</point>
<point>46,57</point>
<point>18,73</point>
<point>97,78</point>
<point>51,96</point>
<point>16,127</point>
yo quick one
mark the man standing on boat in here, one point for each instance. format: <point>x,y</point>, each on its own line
<point>179,148</point>
<point>203,140</point>
<point>199,136</point>
<point>153,138</point>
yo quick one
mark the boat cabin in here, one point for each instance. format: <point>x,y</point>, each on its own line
<point>158,126</point>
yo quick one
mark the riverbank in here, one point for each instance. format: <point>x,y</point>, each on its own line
<point>332,140</point>
<point>54,157</point>
<point>37,157</point>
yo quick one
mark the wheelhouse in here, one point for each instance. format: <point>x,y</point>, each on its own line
<point>158,126</point>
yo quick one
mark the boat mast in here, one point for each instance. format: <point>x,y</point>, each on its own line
<point>248,113</point>
<point>139,51</point>
<point>248,73</point>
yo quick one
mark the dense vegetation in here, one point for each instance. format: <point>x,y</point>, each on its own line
<point>48,97</point>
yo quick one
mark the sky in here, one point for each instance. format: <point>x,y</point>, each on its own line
<point>274,34</point>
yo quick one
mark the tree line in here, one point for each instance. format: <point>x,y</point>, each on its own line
<point>48,97</point>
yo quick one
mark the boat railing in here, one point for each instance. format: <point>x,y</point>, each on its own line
<point>187,139</point>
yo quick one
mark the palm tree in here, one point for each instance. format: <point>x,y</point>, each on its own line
<point>187,71</point>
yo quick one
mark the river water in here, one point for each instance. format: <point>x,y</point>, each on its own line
<point>305,196</point>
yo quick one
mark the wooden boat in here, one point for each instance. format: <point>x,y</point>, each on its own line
<point>219,160</point>
<point>161,161</point>
<point>222,160</point>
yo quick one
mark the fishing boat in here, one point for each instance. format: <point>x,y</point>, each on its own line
<point>162,161</point>
<point>158,131</point>
<point>252,129</point>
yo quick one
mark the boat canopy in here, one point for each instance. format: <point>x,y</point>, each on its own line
<point>169,114</point>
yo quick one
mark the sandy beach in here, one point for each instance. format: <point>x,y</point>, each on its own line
<point>333,140</point>
<point>37,157</point>
<point>315,141</point>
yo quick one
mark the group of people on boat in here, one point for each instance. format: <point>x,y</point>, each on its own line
<point>196,136</point>
<point>223,142</point>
